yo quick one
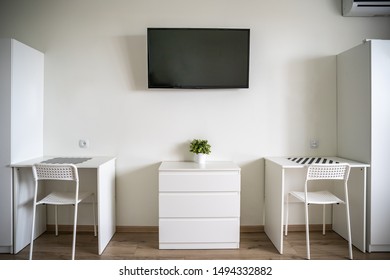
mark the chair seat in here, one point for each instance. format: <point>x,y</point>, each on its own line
<point>320,197</point>
<point>63,198</point>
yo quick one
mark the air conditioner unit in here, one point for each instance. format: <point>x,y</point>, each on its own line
<point>365,8</point>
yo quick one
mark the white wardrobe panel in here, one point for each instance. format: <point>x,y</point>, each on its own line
<point>27,102</point>
<point>21,122</point>
<point>5,153</point>
<point>353,102</point>
<point>380,150</point>
<point>363,88</point>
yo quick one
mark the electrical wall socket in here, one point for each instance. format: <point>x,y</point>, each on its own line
<point>314,144</point>
<point>83,143</point>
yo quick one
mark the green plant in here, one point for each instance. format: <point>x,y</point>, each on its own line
<point>198,146</point>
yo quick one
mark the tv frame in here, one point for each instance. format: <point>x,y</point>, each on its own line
<point>243,86</point>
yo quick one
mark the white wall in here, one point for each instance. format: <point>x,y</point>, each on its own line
<point>96,86</point>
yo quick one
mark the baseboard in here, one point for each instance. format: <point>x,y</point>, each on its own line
<point>69,228</point>
<point>314,227</point>
<point>131,229</point>
<point>154,229</point>
<point>135,229</point>
<point>258,228</point>
<point>243,229</point>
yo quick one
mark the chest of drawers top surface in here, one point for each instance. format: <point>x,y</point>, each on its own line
<point>193,166</point>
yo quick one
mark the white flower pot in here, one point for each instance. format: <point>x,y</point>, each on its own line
<point>200,158</point>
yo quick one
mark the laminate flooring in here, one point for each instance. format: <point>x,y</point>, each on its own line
<point>144,246</point>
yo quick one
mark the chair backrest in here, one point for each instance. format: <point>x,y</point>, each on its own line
<point>338,171</point>
<point>66,172</point>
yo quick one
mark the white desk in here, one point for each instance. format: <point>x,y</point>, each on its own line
<point>96,174</point>
<point>282,175</point>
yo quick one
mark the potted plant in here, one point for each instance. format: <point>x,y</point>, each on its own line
<point>200,148</point>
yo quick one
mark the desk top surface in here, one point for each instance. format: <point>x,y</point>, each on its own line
<point>80,162</point>
<point>299,162</point>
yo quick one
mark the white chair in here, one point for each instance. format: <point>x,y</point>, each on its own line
<point>72,196</point>
<point>323,172</point>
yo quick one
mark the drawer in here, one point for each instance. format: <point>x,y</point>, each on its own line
<point>199,181</point>
<point>208,204</point>
<point>199,230</point>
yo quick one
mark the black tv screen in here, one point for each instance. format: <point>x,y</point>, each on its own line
<point>198,58</point>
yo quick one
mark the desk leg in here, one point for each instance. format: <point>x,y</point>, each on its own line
<point>23,193</point>
<point>106,204</point>
<point>357,201</point>
<point>274,204</point>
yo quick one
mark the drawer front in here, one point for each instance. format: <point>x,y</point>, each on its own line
<point>208,204</point>
<point>199,230</point>
<point>199,181</point>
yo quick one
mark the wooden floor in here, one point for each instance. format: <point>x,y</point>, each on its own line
<point>144,246</point>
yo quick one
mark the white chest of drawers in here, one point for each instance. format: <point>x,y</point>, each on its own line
<point>199,206</point>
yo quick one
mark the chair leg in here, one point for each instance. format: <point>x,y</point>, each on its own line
<point>33,219</point>
<point>307,231</point>
<point>348,220</point>
<point>349,232</point>
<point>94,213</point>
<point>323,219</point>
<point>56,218</point>
<point>32,232</point>
<point>74,231</point>
<point>287,210</point>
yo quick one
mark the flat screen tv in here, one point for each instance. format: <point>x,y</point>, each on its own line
<point>201,58</point>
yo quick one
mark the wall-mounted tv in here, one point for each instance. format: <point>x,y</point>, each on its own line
<point>200,58</point>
